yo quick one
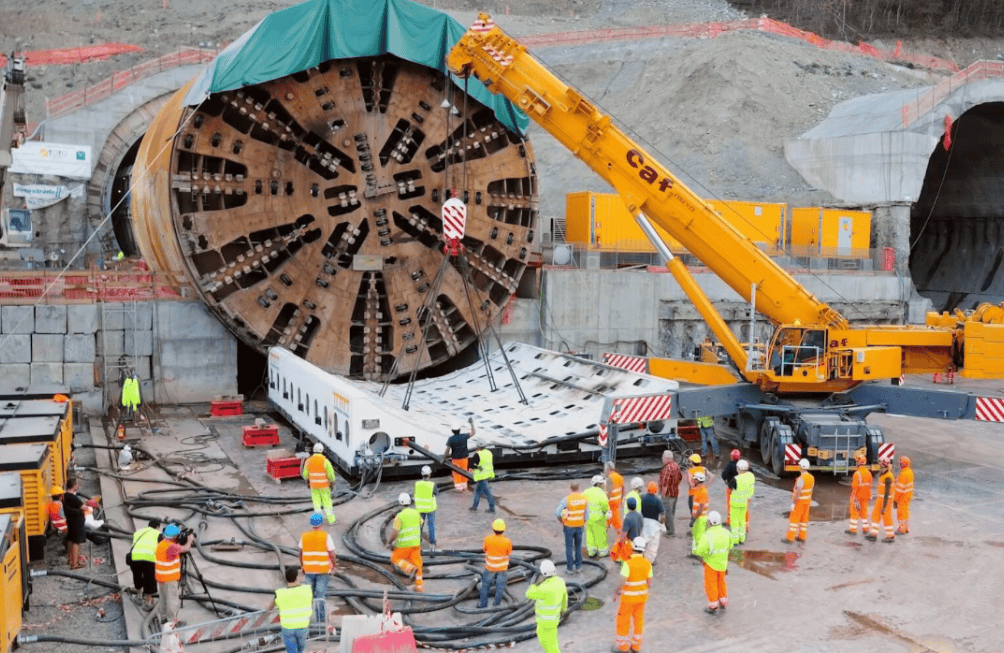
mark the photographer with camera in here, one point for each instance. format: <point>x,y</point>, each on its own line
<point>168,570</point>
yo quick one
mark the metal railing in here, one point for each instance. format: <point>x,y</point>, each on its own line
<point>795,259</point>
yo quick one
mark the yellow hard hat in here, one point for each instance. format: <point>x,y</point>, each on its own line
<point>696,459</point>
<point>498,525</point>
<point>57,489</point>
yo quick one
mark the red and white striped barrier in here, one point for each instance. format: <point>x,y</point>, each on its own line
<point>792,454</point>
<point>628,410</point>
<point>989,409</point>
<point>630,363</point>
<point>886,450</point>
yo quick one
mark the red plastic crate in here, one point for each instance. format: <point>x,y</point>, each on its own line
<point>253,436</point>
<point>226,407</point>
<point>280,468</point>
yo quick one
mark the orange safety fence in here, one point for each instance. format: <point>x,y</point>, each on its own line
<point>979,70</point>
<point>66,103</point>
<point>75,55</point>
<point>712,30</point>
<point>84,287</point>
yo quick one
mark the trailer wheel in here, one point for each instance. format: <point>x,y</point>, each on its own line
<point>777,461</point>
<point>766,446</point>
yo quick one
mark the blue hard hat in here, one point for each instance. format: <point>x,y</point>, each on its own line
<point>172,530</point>
<point>316,519</point>
<point>631,503</point>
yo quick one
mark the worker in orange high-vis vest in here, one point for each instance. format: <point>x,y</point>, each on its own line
<point>573,513</point>
<point>406,543</point>
<point>615,496</point>
<point>317,557</point>
<point>882,512</point>
<point>904,494</point>
<point>56,516</point>
<point>497,548</point>
<point>694,469</point>
<point>636,579</point>
<point>168,571</point>
<point>861,496</point>
<point>320,476</point>
<point>801,497</point>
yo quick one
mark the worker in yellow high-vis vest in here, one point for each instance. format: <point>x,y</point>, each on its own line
<point>550,597</point>
<point>320,476</point>
<point>406,543</point>
<point>143,560</point>
<point>294,602</point>
<point>484,471</point>
<point>425,503</point>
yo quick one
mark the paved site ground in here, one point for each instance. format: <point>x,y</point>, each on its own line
<point>929,591</point>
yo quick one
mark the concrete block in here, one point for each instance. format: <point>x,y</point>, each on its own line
<point>82,318</point>
<point>16,374</point>
<point>113,316</point>
<point>47,373</point>
<point>17,319</point>
<point>114,340</point>
<point>183,320</point>
<point>79,348</point>
<point>16,349</point>
<point>46,348</point>
<point>143,341</point>
<point>90,402</point>
<point>143,368</point>
<point>144,317</point>
<point>50,319</point>
<point>79,376</point>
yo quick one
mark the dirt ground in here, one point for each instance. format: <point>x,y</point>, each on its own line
<point>717,110</point>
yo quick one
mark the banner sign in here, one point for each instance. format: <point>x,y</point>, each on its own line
<point>39,196</point>
<point>34,157</point>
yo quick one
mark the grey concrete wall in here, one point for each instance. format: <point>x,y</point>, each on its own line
<point>635,312</point>
<point>180,352</point>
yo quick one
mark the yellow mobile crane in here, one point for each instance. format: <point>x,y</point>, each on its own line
<point>814,349</point>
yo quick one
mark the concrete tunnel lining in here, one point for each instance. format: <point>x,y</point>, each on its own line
<point>957,224</point>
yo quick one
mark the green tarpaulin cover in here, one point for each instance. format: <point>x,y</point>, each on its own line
<point>302,36</point>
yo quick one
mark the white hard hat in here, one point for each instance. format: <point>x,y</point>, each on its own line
<point>803,463</point>
<point>318,448</point>
<point>638,544</point>
<point>455,427</point>
<point>404,499</point>
<point>699,477</point>
<point>637,483</point>
<point>714,518</point>
<point>598,480</point>
<point>426,470</point>
<point>547,568</point>
<point>743,466</point>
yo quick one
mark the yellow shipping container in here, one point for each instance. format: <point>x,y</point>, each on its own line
<point>830,232</point>
<point>600,221</point>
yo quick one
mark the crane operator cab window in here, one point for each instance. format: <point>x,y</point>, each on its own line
<point>795,345</point>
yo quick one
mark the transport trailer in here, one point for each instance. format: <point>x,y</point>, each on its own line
<point>364,432</point>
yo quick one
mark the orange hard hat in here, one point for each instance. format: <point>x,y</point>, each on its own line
<point>652,487</point>
<point>904,461</point>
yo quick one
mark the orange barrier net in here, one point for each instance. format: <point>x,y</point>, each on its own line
<point>712,30</point>
<point>84,287</point>
<point>929,100</point>
<point>65,103</point>
<point>75,55</point>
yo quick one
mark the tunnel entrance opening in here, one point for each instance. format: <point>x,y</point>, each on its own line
<point>957,224</point>
<point>119,204</point>
<point>251,369</point>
